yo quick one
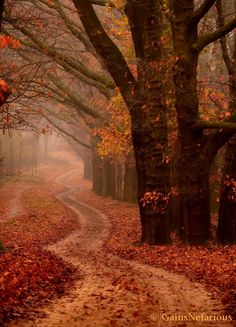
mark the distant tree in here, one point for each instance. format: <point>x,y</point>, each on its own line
<point>1,12</point>
<point>226,231</point>
<point>97,56</point>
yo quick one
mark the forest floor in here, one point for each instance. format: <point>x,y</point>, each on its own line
<point>31,218</point>
<point>91,262</point>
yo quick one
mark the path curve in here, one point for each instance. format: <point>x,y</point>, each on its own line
<point>117,292</point>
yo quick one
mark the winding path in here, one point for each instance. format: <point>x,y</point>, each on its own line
<point>117,292</point>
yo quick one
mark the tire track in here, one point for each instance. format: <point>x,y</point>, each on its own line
<point>117,292</point>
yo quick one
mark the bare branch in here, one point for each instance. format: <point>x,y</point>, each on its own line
<point>74,98</point>
<point>102,3</point>
<point>201,11</point>
<point>201,124</point>
<point>212,37</point>
<point>52,53</point>
<point>223,43</point>
<point>59,128</point>
<point>106,48</point>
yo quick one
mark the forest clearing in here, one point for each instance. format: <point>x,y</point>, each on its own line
<point>117,163</point>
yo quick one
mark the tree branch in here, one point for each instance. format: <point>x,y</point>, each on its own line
<point>201,11</point>
<point>136,12</point>
<point>74,29</point>
<point>62,130</point>
<point>201,124</point>
<point>107,49</point>
<point>212,37</point>
<point>55,55</point>
<point>74,98</point>
<point>225,52</point>
<point>102,3</point>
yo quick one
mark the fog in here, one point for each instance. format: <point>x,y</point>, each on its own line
<point>23,153</point>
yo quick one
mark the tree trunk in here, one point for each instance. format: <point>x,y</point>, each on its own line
<point>45,147</point>
<point>119,181</point>
<point>20,154</point>
<point>88,171</point>
<point>1,162</point>
<point>195,198</point>
<point>153,184</point>
<point>146,102</point>
<point>130,180</point>
<point>12,158</point>
<point>107,177</point>
<point>1,12</point>
<point>175,208</point>
<point>194,163</point>
<point>226,230</point>
<point>97,174</point>
<point>149,131</point>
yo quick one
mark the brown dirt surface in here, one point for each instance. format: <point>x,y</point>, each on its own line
<point>31,218</point>
<point>215,266</point>
<point>118,291</point>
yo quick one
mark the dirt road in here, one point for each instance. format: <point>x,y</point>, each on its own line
<point>116,292</point>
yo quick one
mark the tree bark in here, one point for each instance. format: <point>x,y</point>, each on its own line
<point>226,230</point>
<point>107,177</point>
<point>119,182</point>
<point>149,127</point>
<point>1,12</point>
<point>130,180</point>
<point>97,174</point>
<point>175,208</point>
<point>88,173</point>
<point>193,164</point>
<point>145,99</point>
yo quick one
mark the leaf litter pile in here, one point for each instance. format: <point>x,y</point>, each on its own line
<point>29,275</point>
<point>214,265</point>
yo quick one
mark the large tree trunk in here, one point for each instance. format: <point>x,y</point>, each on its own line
<point>226,231</point>
<point>145,99</point>
<point>153,183</point>
<point>195,197</point>
<point>149,129</point>
<point>175,208</point>
<point>194,163</point>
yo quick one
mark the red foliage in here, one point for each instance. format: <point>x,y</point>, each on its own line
<point>30,275</point>
<point>6,41</point>
<point>215,265</point>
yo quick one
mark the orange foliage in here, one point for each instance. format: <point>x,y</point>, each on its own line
<point>6,41</point>
<point>115,139</point>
